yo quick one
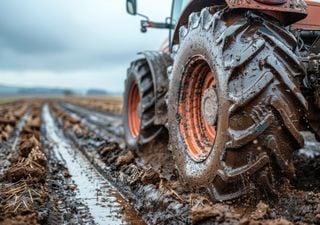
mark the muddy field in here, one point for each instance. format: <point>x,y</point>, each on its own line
<point>65,162</point>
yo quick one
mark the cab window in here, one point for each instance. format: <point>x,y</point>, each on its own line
<point>178,6</point>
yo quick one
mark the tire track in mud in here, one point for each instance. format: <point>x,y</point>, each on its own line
<point>104,202</point>
<point>292,198</point>
<point>152,196</point>
<point>102,123</point>
<point>9,147</point>
<point>158,198</point>
<point>19,128</point>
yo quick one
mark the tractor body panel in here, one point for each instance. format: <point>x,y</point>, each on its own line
<point>287,13</point>
<point>312,21</point>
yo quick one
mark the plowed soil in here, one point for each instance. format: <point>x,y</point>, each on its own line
<point>65,162</point>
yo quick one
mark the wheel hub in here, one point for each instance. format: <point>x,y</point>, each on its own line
<point>134,111</point>
<point>198,108</point>
<point>209,106</point>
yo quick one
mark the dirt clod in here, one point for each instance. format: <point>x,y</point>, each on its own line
<point>26,145</point>
<point>21,220</point>
<point>150,176</point>
<point>24,172</point>
<point>200,213</point>
<point>109,148</point>
<point>66,174</point>
<point>261,211</point>
<point>125,159</point>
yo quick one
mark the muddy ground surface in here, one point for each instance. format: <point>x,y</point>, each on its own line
<point>62,162</point>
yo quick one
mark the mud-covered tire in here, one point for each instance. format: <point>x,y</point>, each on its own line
<point>139,74</point>
<point>260,104</point>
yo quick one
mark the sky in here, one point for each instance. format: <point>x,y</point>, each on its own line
<point>74,43</point>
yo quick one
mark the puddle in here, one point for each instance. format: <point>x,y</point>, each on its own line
<point>105,203</point>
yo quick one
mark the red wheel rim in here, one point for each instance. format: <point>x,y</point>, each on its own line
<point>199,136</point>
<point>133,110</point>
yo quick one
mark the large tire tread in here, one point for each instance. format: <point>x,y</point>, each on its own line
<point>140,73</point>
<point>255,49</point>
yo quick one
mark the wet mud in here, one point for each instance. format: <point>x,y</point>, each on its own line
<point>105,105</point>
<point>91,187</point>
<point>67,164</point>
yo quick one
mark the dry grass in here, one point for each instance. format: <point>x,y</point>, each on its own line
<point>24,189</point>
<point>19,197</point>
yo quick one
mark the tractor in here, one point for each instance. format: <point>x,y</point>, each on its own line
<point>234,87</point>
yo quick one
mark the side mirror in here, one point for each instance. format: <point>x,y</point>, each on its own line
<point>132,7</point>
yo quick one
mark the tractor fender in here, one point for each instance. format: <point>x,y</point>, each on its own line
<point>287,13</point>
<point>158,63</point>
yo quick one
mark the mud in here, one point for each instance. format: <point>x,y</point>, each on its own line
<point>66,164</point>
<point>10,114</point>
<point>102,104</point>
<point>23,189</point>
<point>92,188</point>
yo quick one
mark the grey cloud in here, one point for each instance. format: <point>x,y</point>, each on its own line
<point>64,35</point>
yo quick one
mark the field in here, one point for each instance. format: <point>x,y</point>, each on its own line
<point>64,161</point>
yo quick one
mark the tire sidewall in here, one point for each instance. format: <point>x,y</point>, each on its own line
<point>197,42</point>
<point>131,141</point>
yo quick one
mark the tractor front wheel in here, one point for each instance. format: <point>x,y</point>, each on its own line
<point>235,105</point>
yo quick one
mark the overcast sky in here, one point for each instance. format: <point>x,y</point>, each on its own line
<point>74,43</point>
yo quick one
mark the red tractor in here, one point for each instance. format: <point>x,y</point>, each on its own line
<point>234,88</point>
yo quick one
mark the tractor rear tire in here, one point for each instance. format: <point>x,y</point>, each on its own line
<point>235,106</point>
<point>139,106</point>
